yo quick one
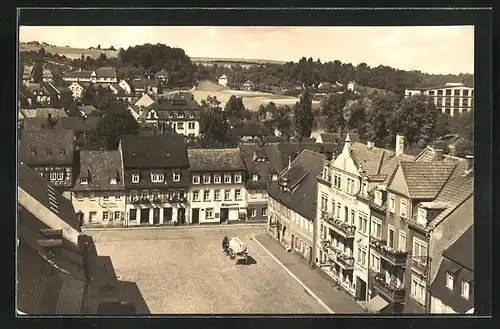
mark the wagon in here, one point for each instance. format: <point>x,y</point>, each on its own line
<point>238,250</point>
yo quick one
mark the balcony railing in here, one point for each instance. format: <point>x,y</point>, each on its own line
<point>420,263</point>
<point>345,261</point>
<point>395,257</point>
<point>394,292</point>
<point>141,200</point>
<point>325,180</point>
<point>341,227</point>
<point>325,244</point>
<point>157,200</point>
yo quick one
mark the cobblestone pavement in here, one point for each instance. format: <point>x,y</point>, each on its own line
<point>185,271</point>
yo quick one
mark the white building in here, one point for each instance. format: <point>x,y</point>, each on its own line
<point>452,98</point>
<point>223,80</point>
<point>101,75</point>
<point>217,192</point>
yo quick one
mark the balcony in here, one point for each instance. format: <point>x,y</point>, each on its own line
<point>344,261</point>
<point>394,257</point>
<point>419,264</point>
<point>176,199</point>
<point>392,291</point>
<point>325,180</point>
<point>157,200</point>
<point>341,227</point>
<point>325,244</point>
<point>141,200</point>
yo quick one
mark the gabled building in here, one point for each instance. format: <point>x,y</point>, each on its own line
<point>223,80</point>
<point>248,131</point>
<point>47,76</point>
<point>41,94</point>
<point>125,86</point>
<point>145,100</point>
<point>156,179</point>
<point>100,75</point>
<point>452,289</point>
<point>217,193</point>
<point>292,204</point>
<point>77,89</point>
<point>99,192</point>
<point>180,111</point>
<point>50,154</point>
<point>145,86</point>
<point>28,74</point>
<point>162,76</point>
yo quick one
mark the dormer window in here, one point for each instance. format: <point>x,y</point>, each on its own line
<point>326,172</point>
<point>206,179</point>
<point>62,152</point>
<point>465,289</point>
<point>237,178</point>
<point>450,280</point>
<point>364,188</point>
<point>274,176</point>
<point>48,152</point>
<point>422,217</point>
<point>176,177</point>
<point>255,177</point>
<point>135,178</point>
<point>191,116</point>
<point>85,180</point>
<point>157,178</point>
<point>180,115</point>
<point>217,179</point>
<point>227,179</point>
<point>378,198</point>
<point>33,151</point>
<point>196,179</point>
<point>112,181</point>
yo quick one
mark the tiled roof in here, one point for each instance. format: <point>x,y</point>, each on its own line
<point>76,124</point>
<point>426,179</point>
<point>87,109</point>
<point>44,113</point>
<point>41,140</point>
<point>369,159</point>
<point>462,250</point>
<point>252,129</point>
<point>106,72</point>
<point>36,88</point>
<point>38,188</point>
<point>78,74</point>
<point>302,178</point>
<point>98,167</point>
<point>142,83</point>
<point>175,102</point>
<point>215,159</point>
<point>154,151</point>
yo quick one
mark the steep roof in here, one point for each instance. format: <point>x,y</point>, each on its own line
<point>87,109</point>
<point>302,180</point>
<point>462,250</point>
<point>76,124</point>
<point>99,167</point>
<point>44,113</point>
<point>215,159</point>
<point>426,179</point>
<point>162,73</point>
<point>253,129</point>
<point>175,102</point>
<point>154,151</point>
<point>41,140</point>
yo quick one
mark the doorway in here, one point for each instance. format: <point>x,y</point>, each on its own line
<point>167,214</point>
<point>156,216</point>
<point>145,216</point>
<point>224,214</point>
<point>360,289</point>
<point>195,217</point>
<point>181,215</point>
<point>79,216</point>
<point>309,255</point>
<point>283,236</point>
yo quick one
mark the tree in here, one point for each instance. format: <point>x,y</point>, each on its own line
<point>116,122</point>
<point>98,47</point>
<point>37,74</point>
<point>214,125</point>
<point>283,122</point>
<point>377,118</point>
<point>102,57</point>
<point>303,115</point>
<point>443,124</point>
<point>332,107</point>
<point>235,108</point>
<point>41,53</point>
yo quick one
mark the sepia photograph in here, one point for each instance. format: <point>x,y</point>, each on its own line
<point>245,170</point>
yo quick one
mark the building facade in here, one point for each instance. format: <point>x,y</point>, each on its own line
<point>217,193</point>
<point>451,99</point>
<point>99,194</point>
<point>101,75</point>
<point>156,179</point>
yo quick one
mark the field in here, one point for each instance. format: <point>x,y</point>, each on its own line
<point>251,99</point>
<point>69,52</point>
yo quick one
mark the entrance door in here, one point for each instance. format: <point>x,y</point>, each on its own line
<point>145,216</point>
<point>156,216</point>
<point>167,214</point>
<point>181,215</point>
<point>309,256</point>
<point>79,216</point>
<point>360,289</point>
<point>224,214</point>
<point>92,216</point>
<point>133,214</point>
<point>195,217</point>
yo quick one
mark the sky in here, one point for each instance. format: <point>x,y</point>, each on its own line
<point>430,49</point>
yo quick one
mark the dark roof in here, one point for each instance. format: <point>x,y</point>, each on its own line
<point>426,179</point>
<point>78,74</point>
<point>252,129</point>
<point>106,72</point>
<point>142,83</point>
<point>215,159</point>
<point>175,102</point>
<point>462,250</point>
<point>36,88</point>
<point>41,140</point>
<point>154,151</point>
<point>99,167</point>
<point>38,188</point>
<point>87,109</point>
<point>162,73</point>
<point>337,138</point>
<point>44,112</point>
<point>302,179</point>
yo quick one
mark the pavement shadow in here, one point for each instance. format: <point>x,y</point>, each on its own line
<point>250,261</point>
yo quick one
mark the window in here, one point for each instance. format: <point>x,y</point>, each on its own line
<point>118,215</point>
<point>392,203</point>
<point>264,194</point>
<point>353,216</point>
<point>144,194</point>
<point>135,178</point>
<point>170,115</point>
<point>378,198</point>
<point>217,195</point>
<point>227,195</point>
<point>333,208</point>
<point>390,237</point>
<point>404,208</point>
<point>196,196</point>
<point>217,179</point>
<point>92,216</point>
<point>105,215</point>
<point>227,179</point>
<point>191,125</point>
<point>402,241</point>
<point>465,102</point>
<point>209,213</point>
<point>337,181</point>
<point>237,194</point>
<point>365,188</point>
<point>48,152</point>
<point>206,195</point>
<point>465,93</point>
<point>196,179</point>
<point>253,212</point>
<point>264,212</point>
<point>376,228</point>
<point>324,202</point>
<point>363,222</point>
<point>62,151</point>
<point>450,281</point>
<point>91,196</point>
<point>456,92</point>
<point>177,177</point>
<point>339,206</point>
<point>465,289</point>
<point>180,125</point>
<point>237,178</point>
<point>33,151</point>
<point>180,115</point>
<point>419,248</point>
<point>53,176</point>
<point>417,289</point>
<point>206,179</point>
<point>156,195</point>
<point>105,196</point>
<point>60,176</point>
<point>157,178</point>
<point>112,180</point>
<point>448,92</point>
<point>375,262</point>
<point>274,176</point>
<point>191,116</point>
<point>79,196</point>
<point>431,93</point>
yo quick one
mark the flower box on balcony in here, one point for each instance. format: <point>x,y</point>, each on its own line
<point>393,291</point>
<point>396,257</point>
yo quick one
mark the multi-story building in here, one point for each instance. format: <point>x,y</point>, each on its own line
<point>99,193</point>
<point>101,75</point>
<point>292,208</point>
<point>180,111</point>
<point>217,178</point>
<point>452,290</point>
<point>50,154</point>
<point>156,179</point>
<point>452,98</point>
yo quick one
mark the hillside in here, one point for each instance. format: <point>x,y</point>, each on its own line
<point>69,52</point>
<point>234,60</point>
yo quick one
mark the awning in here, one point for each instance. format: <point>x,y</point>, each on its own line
<point>376,304</point>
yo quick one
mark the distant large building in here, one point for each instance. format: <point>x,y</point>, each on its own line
<point>101,75</point>
<point>452,98</point>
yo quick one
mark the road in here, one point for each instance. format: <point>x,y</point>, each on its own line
<point>184,271</point>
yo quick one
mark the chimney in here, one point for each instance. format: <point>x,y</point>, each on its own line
<point>470,162</point>
<point>439,154</point>
<point>400,144</point>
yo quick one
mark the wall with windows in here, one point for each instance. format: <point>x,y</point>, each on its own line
<point>56,176</point>
<point>361,242</point>
<point>257,203</point>
<point>100,207</point>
